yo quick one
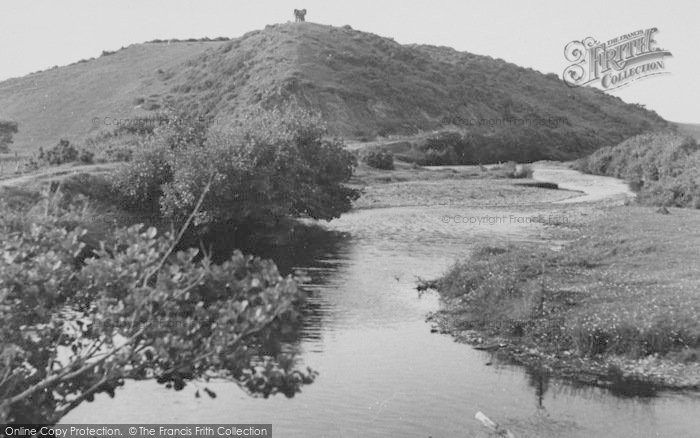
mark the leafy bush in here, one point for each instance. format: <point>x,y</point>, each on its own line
<point>140,183</point>
<point>7,129</point>
<point>77,323</point>
<point>276,164</point>
<point>662,167</point>
<point>65,152</point>
<point>85,156</point>
<point>379,160</point>
<point>443,148</point>
<point>118,154</point>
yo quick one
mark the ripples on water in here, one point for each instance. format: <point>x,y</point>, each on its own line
<point>382,373</point>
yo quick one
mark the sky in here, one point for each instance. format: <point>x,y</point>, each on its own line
<point>38,34</point>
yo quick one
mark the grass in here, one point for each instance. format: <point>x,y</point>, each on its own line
<point>11,165</point>
<point>364,85</point>
<point>106,87</point>
<point>626,286</point>
<point>89,194</point>
<point>409,184</point>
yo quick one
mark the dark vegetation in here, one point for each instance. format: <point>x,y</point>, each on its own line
<point>664,168</point>
<point>65,152</point>
<point>179,317</point>
<point>540,185</point>
<point>479,146</point>
<point>378,159</point>
<point>7,129</point>
<point>84,310</point>
<point>277,164</point>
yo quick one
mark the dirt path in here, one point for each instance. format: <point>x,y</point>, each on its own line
<point>58,172</point>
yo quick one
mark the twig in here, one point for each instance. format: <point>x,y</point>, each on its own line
<point>182,231</point>
<point>65,373</point>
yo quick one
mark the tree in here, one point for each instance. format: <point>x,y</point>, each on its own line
<point>77,322</point>
<point>277,164</point>
<point>7,130</point>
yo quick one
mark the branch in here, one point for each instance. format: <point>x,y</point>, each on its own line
<point>181,233</point>
<point>60,413</point>
<point>64,374</point>
<point>234,343</point>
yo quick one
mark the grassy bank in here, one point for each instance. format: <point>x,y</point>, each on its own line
<point>619,303</point>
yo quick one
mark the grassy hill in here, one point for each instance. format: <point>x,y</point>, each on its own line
<point>62,102</point>
<point>363,84</point>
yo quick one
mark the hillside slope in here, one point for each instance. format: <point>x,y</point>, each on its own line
<point>62,102</point>
<point>363,84</point>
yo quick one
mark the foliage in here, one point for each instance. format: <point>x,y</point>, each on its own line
<point>662,167</point>
<point>65,152</point>
<point>140,183</point>
<point>118,145</point>
<point>119,154</point>
<point>276,164</point>
<point>181,129</point>
<point>379,159</point>
<point>7,129</point>
<point>86,157</point>
<point>489,144</point>
<point>78,321</point>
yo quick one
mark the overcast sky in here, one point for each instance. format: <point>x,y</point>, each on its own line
<point>38,34</point>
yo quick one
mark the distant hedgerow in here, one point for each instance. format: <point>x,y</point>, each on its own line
<point>379,160</point>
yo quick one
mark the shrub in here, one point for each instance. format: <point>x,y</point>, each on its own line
<point>379,160</point>
<point>661,167</point>
<point>83,323</point>
<point>140,183</point>
<point>7,130</point>
<point>85,156</point>
<point>117,154</point>
<point>63,152</point>
<point>277,164</point>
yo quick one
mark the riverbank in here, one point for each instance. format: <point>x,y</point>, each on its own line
<point>616,306</point>
<point>608,297</point>
<point>461,186</point>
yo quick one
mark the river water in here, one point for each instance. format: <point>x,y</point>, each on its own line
<point>382,372</point>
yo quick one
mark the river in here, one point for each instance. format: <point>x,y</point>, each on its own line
<point>382,372</point>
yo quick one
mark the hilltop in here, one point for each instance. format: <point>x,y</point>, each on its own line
<point>363,84</point>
